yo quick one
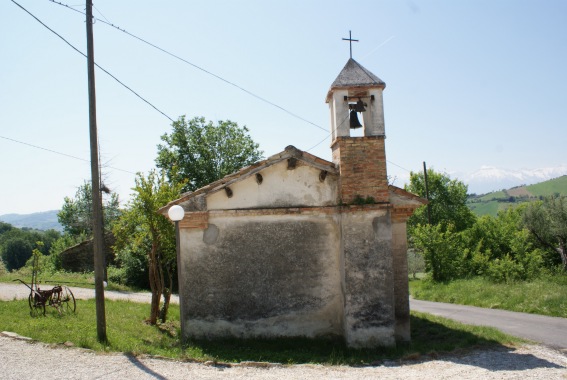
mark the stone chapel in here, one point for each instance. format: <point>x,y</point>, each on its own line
<point>296,245</point>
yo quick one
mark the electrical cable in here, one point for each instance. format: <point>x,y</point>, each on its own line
<point>221,78</point>
<point>60,153</point>
<point>197,67</point>
<point>97,65</point>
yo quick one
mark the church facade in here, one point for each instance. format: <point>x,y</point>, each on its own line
<point>296,245</point>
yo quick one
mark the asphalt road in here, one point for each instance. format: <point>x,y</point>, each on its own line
<point>550,331</point>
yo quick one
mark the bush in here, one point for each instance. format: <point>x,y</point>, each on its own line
<point>116,275</point>
<point>135,269</point>
<point>504,270</point>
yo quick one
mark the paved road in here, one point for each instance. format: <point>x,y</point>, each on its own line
<point>550,331</point>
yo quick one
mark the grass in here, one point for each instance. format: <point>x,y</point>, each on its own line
<point>127,332</point>
<point>545,296</point>
<point>547,188</point>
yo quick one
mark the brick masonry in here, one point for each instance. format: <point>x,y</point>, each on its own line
<point>362,165</point>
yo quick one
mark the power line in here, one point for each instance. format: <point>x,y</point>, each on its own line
<point>341,123</point>
<point>97,65</point>
<point>60,153</point>
<point>223,79</point>
<point>198,67</point>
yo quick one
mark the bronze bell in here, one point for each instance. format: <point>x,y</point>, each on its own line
<point>354,123</point>
<point>360,106</point>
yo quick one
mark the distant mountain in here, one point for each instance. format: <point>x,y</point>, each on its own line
<point>489,178</point>
<point>46,220</point>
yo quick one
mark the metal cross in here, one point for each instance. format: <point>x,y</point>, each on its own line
<point>349,39</point>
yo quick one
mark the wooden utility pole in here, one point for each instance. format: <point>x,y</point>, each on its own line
<point>427,193</point>
<point>96,196</point>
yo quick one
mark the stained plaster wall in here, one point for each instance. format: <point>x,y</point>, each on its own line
<point>279,187</point>
<point>248,274</point>
<point>401,286</point>
<point>368,278</point>
<point>262,276</point>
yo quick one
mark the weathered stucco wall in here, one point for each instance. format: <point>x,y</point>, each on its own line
<point>368,278</point>
<point>278,187</point>
<point>266,275</point>
<point>401,286</point>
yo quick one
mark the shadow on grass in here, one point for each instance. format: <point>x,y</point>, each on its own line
<point>432,338</point>
<point>429,338</point>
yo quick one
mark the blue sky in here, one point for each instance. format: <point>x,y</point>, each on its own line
<point>469,83</point>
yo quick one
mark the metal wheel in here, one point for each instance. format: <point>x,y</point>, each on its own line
<point>37,307</point>
<point>67,301</point>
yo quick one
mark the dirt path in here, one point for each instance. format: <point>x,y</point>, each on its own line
<point>9,292</point>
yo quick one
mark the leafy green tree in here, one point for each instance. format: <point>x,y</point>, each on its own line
<point>15,253</point>
<point>442,250</point>
<point>500,248</point>
<point>5,227</point>
<point>200,152</point>
<point>141,228</point>
<point>547,222</point>
<point>76,213</point>
<point>447,201</point>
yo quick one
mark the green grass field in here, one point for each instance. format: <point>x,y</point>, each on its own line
<point>491,203</point>
<point>547,188</point>
<point>545,296</point>
<point>127,332</point>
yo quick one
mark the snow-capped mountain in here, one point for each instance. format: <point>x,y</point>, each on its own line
<point>490,178</point>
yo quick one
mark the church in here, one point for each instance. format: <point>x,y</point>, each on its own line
<point>297,246</point>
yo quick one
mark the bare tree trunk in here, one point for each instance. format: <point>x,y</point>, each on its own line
<point>156,284</point>
<point>562,250</point>
<point>166,294</point>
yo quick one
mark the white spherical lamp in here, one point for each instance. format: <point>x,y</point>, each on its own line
<point>176,213</point>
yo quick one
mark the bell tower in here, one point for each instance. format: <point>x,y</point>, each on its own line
<point>361,160</point>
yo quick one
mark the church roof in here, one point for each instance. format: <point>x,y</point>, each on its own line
<point>290,152</point>
<point>355,75</point>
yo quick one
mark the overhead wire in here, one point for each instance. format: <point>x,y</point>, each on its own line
<point>221,78</point>
<point>96,64</point>
<point>60,153</point>
<point>197,67</point>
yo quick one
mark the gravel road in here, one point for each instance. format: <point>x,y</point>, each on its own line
<point>21,359</point>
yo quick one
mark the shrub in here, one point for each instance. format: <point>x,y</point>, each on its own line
<point>135,267</point>
<point>504,270</point>
<point>116,275</point>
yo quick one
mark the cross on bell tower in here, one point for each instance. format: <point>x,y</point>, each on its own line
<point>350,41</point>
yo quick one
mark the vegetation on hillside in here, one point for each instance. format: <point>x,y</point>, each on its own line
<point>492,203</point>
<point>17,245</point>
<point>518,244</point>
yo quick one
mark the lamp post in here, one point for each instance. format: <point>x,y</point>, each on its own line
<point>176,214</point>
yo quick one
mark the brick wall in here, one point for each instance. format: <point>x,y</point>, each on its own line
<point>362,164</point>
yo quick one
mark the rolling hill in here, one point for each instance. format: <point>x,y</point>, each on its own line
<point>491,203</point>
<point>45,220</point>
